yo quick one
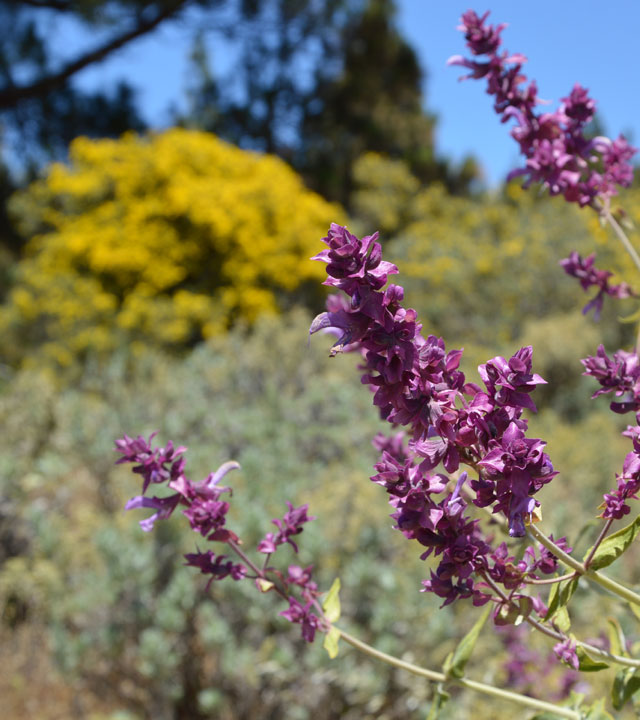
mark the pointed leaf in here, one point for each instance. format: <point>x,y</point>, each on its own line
<point>331,604</point>
<point>465,647</point>
<point>514,613</point>
<point>613,546</point>
<point>560,595</point>
<point>634,317</point>
<point>439,701</point>
<point>562,621</point>
<point>617,642</point>
<point>588,664</point>
<point>625,685</point>
<point>635,609</point>
<point>264,585</point>
<point>597,712</point>
<point>330,643</point>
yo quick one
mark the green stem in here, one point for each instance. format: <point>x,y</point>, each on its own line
<point>606,582</point>
<point>550,581</point>
<point>613,586</point>
<point>601,536</point>
<point>463,682</point>
<point>557,551</point>
<point>622,236</point>
<point>592,650</point>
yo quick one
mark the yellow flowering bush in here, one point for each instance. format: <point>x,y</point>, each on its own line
<point>163,239</point>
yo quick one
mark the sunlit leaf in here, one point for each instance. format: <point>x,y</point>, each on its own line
<point>331,604</point>
<point>458,660</point>
<point>330,643</point>
<point>613,546</point>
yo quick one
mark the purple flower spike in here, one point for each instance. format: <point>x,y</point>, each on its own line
<point>556,150</point>
<point>417,384</point>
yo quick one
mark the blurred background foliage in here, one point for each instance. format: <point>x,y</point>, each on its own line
<point>161,281</point>
<point>163,240</point>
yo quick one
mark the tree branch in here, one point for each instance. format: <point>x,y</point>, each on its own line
<point>11,96</point>
<point>61,5</point>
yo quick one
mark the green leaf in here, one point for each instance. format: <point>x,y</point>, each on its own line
<point>625,685</point>
<point>613,546</point>
<point>439,701</point>
<point>617,642</point>
<point>331,604</point>
<point>264,585</point>
<point>330,643</point>
<point>588,664</point>
<point>559,598</point>
<point>634,317</point>
<point>635,609</point>
<point>456,663</point>
<point>546,716</point>
<point>561,620</point>
<point>597,712</point>
<point>515,612</point>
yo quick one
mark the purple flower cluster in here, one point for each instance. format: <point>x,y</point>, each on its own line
<point>620,375</point>
<point>557,152</point>
<point>589,276</point>
<point>566,651</point>
<point>417,384</point>
<point>207,515</point>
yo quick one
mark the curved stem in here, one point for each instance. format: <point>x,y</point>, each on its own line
<point>603,580</point>
<point>622,236</point>
<point>557,551</point>
<point>599,539</point>
<point>463,682</point>
<point>551,581</point>
<point>592,650</point>
<point>615,587</point>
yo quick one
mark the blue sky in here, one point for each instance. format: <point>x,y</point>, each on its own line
<point>566,41</point>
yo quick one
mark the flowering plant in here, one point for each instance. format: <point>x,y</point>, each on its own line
<point>460,461</point>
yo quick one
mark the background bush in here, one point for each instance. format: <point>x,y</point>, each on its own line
<point>162,239</point>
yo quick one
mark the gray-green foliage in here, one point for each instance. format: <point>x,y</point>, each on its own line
<point>126,622</point>
<point>125,619</point>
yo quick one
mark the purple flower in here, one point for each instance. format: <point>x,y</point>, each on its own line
<point>557,152</point>
<point>589,276</point>
<point>205,511</point>
<point>352,262</point>
<point>302,615</point>
<point>291,524</point>
<point>509,383</point>
<point>628,484</point>
<point>520,468</point>
<point>548,562</point>
<point>620,374</point>
<point>215,565</point>
<point>156,465</point>
<point>566,651</point>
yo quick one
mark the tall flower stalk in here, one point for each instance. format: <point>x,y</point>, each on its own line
<point>460,448</point>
